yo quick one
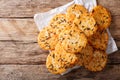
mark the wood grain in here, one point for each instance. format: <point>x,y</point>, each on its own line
<point>27,8</point>
<point>115,28</point>
<point>17,52</point>
<point>18,29</point>
<point>39,72</point>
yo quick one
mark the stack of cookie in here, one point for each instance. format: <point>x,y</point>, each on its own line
<point>78,37</point>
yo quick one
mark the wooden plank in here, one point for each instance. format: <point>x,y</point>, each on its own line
<point>18,29</point>
<point>114,58</point>
<point>115,28</point>
<point>27,8</point>
<point>25,72</point>
<point>39,72</point>
<point>12,52</point>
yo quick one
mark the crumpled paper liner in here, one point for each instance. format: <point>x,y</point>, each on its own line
<point>42,19</point>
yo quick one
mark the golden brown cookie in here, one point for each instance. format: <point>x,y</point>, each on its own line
<point>68,58</point>
<point>73,40</point>
<point>98,62</point>
<point>99,40</point>
<point>52,65</point>
<point>60,60</point>
<point>59,23</point>
<point>47,38</point>
<point>87,24</point>
<point>58,19</point>
<point>102,17</point>
<point>75,11</point>
<point>87,53</point>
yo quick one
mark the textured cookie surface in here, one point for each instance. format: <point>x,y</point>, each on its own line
<point>87,24</point>
<point>87,53</point>
<point>102,17</point>
<point>59,23</point>
<point>66,58</point>
<point>99,40</point>
<point>75,11</point>
<point>60,60</point>
<point>47,38</point>
<point>98,62</point>
<point>52,65</point>
<point>58,19</point>
<point>73,39</point>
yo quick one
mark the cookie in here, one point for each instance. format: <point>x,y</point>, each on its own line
<point>59,23</point>
<point>87,53</point>
<point>47,38</point>
<point>99,40</point>
<point>58,19</point>
<point>98,62</point>
<point>73,39</point>
<point>87,24</point>
<point>51,64</point>
<point>67,58</point>
<point>60,60</point>
<point>102,17</point>
<point>75,11</point>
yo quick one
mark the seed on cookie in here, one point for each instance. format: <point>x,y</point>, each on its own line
<point>73,39</point>
<point>85,55</point>
<point>59,23</point>
<point>58,19</point>
<point>102,17</point>
<point>99,40</point>
<point>75,11</point>
<point>52,65</point>
<point>98,61</point>
<point>60,60</point>
<point>87,24</point>
<point>47,38</point>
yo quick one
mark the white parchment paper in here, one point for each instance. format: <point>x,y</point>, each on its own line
<point>42,19</point>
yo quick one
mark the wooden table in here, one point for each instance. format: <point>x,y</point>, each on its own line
<point>20,56</point>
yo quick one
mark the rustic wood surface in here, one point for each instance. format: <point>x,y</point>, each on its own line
<point>20,56</point>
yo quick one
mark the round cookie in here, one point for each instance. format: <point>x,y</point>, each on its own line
<point>67,58</point>
<point>87,24</point>
<point>59,23</point>
<point>102,17</point>
<point>51,64</point>
<point>73,39</point>
<point>75,11</point>
<point>87,53</point>
<point>99,40</point>
<point>58,19</point>
<point>98,62</point>
<point>47,38</point>
<point>60,60</point>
